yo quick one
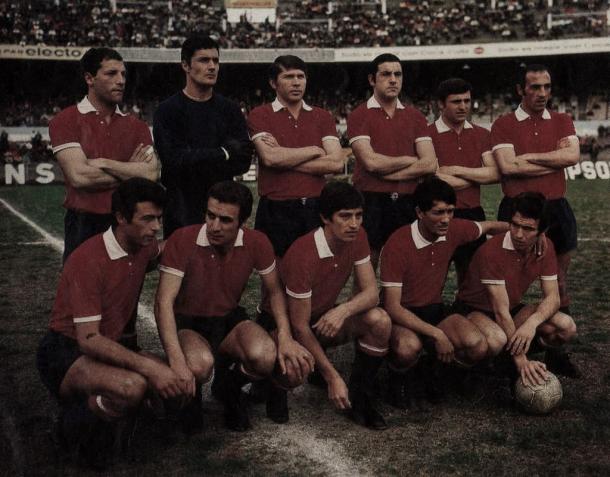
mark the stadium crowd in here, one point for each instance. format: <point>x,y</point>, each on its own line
<point>311,24</point>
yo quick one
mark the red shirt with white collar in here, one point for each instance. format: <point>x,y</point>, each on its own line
<point>464,149</point>
<point>419,267</point>
<point>100,282</point>
<point>391,136</point>
<point>313,127</point>
<point>81,126</point>
<point>497,262</point>
<point>311,270</point>
<point>212,284</point>
<point>530,134</point>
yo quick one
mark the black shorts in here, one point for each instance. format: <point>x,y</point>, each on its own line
<point>213,328</point>
<point>284,221</point>
<point>463,254</point>
<point>432,314</point>
<point>562,228</point>
<point>55,355</point>
<point>384,213</point>
<point>80,226</point>
<point>461,308</point>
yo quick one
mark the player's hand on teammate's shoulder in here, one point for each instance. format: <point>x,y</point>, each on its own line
<point>541,246</point>
<point>338,393</point>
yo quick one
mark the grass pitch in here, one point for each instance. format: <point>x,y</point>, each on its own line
<point>475,436</point>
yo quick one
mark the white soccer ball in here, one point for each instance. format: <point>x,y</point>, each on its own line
<point>539,399</point>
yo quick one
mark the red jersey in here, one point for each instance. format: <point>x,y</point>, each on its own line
<point>497,262</point>
<point>212,284</point>
<point>390,136</point>
<point>311,270</point>
<point>464,149</point>
<point>100,282</point>
<point>420,267</point>
<point>529,134</point>
<point>312,128</point>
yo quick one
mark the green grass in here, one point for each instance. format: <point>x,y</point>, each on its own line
<point>480,436</point>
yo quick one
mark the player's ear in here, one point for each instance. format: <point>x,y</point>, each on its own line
<point>519,90</point>
<point>371,78</point>
<point>185,66</point>
<point>273,84</point>
<point>418,212</point>
<point>88,78</point>
<point>324,220</point>
<point>120,218</point>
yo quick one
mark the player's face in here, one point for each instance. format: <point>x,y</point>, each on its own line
<point>344,224</point>
<point>202,72</point>
<point>523,232</point>
<point>108,84</point>
<point>434,223</point>
<point>456,108</point>
<point>222,222</point>
<point>144,225</point>
<point>537,91</point>
<point>290,85</point>
<point>387,82</point>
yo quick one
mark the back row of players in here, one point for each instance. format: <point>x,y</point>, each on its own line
<point>202,139</point>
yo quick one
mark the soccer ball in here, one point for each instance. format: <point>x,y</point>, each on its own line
<point>539,399</point>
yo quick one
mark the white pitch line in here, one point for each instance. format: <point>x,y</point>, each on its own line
<point>54,242</point>
<point>592,239</point>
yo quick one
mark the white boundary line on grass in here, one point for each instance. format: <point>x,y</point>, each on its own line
<point>322,451</point>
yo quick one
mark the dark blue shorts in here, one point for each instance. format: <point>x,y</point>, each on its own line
<point>384,213</point>
<point>56,354</point>
<point>432,314</point>
<point>463,309</point>
<point>284,221</point>
<point>80,226</point>
<point>213,328</point>
<point>562,228</point>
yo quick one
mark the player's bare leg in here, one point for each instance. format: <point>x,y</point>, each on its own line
<point>253,353</point>
<point>405,349</point>
<point>563,264</point>
<point>494,335</point>
<point>553,335</point>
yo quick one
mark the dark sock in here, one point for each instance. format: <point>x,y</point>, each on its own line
<point>364,370</point>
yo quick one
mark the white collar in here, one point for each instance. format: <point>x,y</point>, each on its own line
<point>113,249</point>
<point>202,237</point>
<point>85,106</point>
<point>277,106</point>
<point>324,250</point>
<point>441,127</point>
<point>507,243</point>
<point>418,238</point>
<point>373,103</point>
<point>521,115</point>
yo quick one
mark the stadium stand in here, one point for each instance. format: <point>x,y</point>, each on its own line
<point>309,23</point>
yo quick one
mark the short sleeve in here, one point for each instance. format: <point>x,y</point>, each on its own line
<point>392,262</point>
<point>566,126</point>
<point>549,267</point>
<point>257,123</point>
<point>143,133</point>
<point>420,127</point>
<point>490,269</point>
<point>484,140</point>
<point>465,230</point>
<point>296,272</point>
<point>85,291</point>
<point>264,256</point>
<point>63,131</point>
<point>357,126</point>
<point>362,250</point>
<point>328,130</point>
<point>501,134</point>
<point>175,257</point>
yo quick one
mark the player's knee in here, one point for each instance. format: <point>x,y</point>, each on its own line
<point>261,356</point>
<point>477,348</point>
<point>132,389</point>
<point>379,324</point>
<point>566,328</point>
<point>404,351</point>
<point>201,366</point>
<point>496,341</point>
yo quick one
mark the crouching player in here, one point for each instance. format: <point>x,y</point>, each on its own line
<point>97,380</point>
<point>315,269</point>
<point>414,265</point>
<point>204,271</point>
<point>500,274</point>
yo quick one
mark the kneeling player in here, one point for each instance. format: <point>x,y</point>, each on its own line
<point>204,271</point>
<point>96,379</point>
<point>414,265</point>
<point>500,274</point>
<point>315,270</point>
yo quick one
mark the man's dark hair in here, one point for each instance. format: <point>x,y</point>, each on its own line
<point>91,61</point>
<point>286,62</point>
<point>531,205</point>
<point>452,86</point>
<point>433,189</point>
<point>134,190</point>
<point>231,192</point>
<point>337,195</point>
<point>195,43</point>
<point>383,58</point>
<point>533,68</point>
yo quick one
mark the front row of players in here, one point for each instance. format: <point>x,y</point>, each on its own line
<point>206,334</point>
